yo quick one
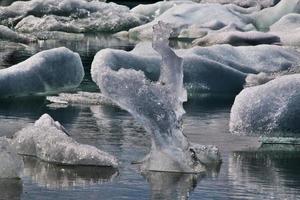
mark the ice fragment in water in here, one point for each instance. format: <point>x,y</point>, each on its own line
<point>156,105</point>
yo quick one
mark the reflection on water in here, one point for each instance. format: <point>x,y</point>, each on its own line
<point>11,189</point>
<point>63,177</point>
<point>267,174</point>
<point>169,186</point>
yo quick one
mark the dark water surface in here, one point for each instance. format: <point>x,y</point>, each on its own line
<point>246,172</point>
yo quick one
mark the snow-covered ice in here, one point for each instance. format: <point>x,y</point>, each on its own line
<point>11,164</point>
<point>49,71</point>
<point>49,141</point>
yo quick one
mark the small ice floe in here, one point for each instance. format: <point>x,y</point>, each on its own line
<point>49,141</point>
<point>83,98</point>
<point>49,71</point>
<point>11,165</point>
<point>269,110</point>
<point>157,106</point>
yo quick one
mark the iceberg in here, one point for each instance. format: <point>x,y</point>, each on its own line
<point>157,106</point>
<point>49,141</point>
<point>268,110</point>
<point>215,69</point>
<point>184,15</point>
<point>49,71</point>
<point>195,20</point>
<point>11,165</point>
<point>68,16</point>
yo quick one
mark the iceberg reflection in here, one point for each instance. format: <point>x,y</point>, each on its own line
<point>63,177</point>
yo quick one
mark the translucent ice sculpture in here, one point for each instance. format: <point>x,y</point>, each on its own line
<point>11,164</point>
<point>158,107</point>
<point>49,141</point>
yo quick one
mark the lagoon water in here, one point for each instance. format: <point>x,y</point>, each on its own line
<point>245,173</point>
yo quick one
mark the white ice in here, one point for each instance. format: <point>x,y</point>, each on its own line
<point>49,141</point>
<point>49,71</point>
<point>10,35</point>
<point>11,165</point>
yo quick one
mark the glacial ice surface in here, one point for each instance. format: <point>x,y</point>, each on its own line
<point>215,69</point>
<point>269,110</point>
<point>11,164</point>
<point>156,105</point>
<point>49,141</point>
<point>49,71</point>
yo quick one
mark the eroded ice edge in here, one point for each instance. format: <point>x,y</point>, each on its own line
<point>11,165</point>
<point>49,141</point>
<point>158,107</point>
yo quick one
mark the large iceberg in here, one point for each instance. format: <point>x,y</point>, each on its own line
<point>49,141</point>
<point>49,71</point>
<point>158,107</point>
<point>68,16</point>
<point>11,164</point>
<point>215,69</point>
<point>269,110</point>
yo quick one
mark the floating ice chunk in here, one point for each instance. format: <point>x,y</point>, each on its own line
<point>87,98</point>
<point>192,14</point>
<point>156,105</point>
<point>11,164</point>
<point>49,71</point>
<point>68,16</point>
<point>237,38</point>
<point>216,69</point>
<point>47,140</point>
<point>10,35</point>
<point>269,110</point>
